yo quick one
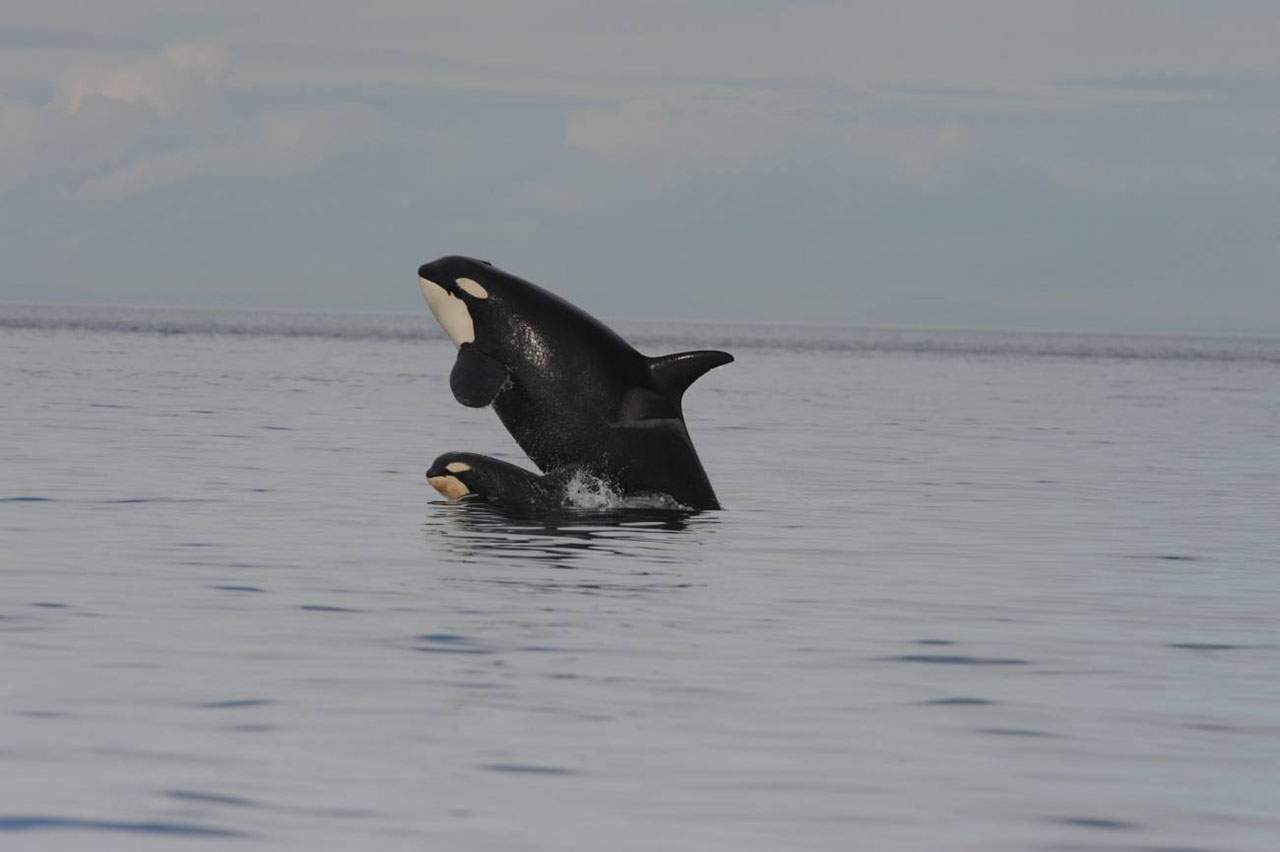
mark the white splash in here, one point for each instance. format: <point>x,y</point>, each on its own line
<point>587,491</point>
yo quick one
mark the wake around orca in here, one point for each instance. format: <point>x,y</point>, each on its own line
<point>573,394</point>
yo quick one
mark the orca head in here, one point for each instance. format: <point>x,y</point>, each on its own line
<point>458,290</point>
<point>449,474</point>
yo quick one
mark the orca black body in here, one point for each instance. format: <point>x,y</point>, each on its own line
<point>463,475</point>
<point>569,389</point>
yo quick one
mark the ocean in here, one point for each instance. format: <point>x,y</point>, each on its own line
<point>968,591</point>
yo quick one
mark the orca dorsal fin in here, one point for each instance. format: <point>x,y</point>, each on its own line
<point>672,374</point>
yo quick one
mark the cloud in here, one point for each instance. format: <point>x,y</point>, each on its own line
<point>183,78</point>
<point>286,142</point>
<point>719,134</point>
<point>116,129</point>
<point>726,134</point>
<point>917,152</point>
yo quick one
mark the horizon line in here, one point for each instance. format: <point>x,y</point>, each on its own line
<point>389,313</point>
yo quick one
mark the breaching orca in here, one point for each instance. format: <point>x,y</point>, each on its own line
<point>569,390</point>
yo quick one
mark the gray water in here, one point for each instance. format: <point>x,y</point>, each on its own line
<point>970,591</point>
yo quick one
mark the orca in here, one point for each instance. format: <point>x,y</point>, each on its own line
<point>569,390</point>
<point>459,476</point>
<point>470,476</point>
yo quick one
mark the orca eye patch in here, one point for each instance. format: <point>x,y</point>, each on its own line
<point>472,287</point>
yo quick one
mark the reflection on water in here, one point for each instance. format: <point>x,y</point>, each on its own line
<point>477,531</point>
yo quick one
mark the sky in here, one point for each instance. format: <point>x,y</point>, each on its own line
<point>1060,165</point>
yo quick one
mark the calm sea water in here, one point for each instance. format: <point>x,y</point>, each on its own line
<point>970,591</point>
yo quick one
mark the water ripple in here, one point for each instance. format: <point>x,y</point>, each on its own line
<point>40,823</point>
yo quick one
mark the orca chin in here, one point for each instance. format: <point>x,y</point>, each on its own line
<point>449,310</point>
<point>450,487</point>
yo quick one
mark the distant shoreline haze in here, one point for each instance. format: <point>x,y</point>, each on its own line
<point>653,334</point>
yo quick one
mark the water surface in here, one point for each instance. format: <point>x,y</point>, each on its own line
<point>971,590</point>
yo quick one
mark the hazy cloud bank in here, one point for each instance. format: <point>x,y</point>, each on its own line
<point>1098,165</point>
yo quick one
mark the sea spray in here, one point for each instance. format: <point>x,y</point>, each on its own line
<point>586,491</point>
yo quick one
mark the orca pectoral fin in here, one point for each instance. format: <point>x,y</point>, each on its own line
<point>476,378</point>
<point>672,374</point>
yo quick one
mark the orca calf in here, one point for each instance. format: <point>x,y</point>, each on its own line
<point>569,390</point>
<point>461,475</point>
